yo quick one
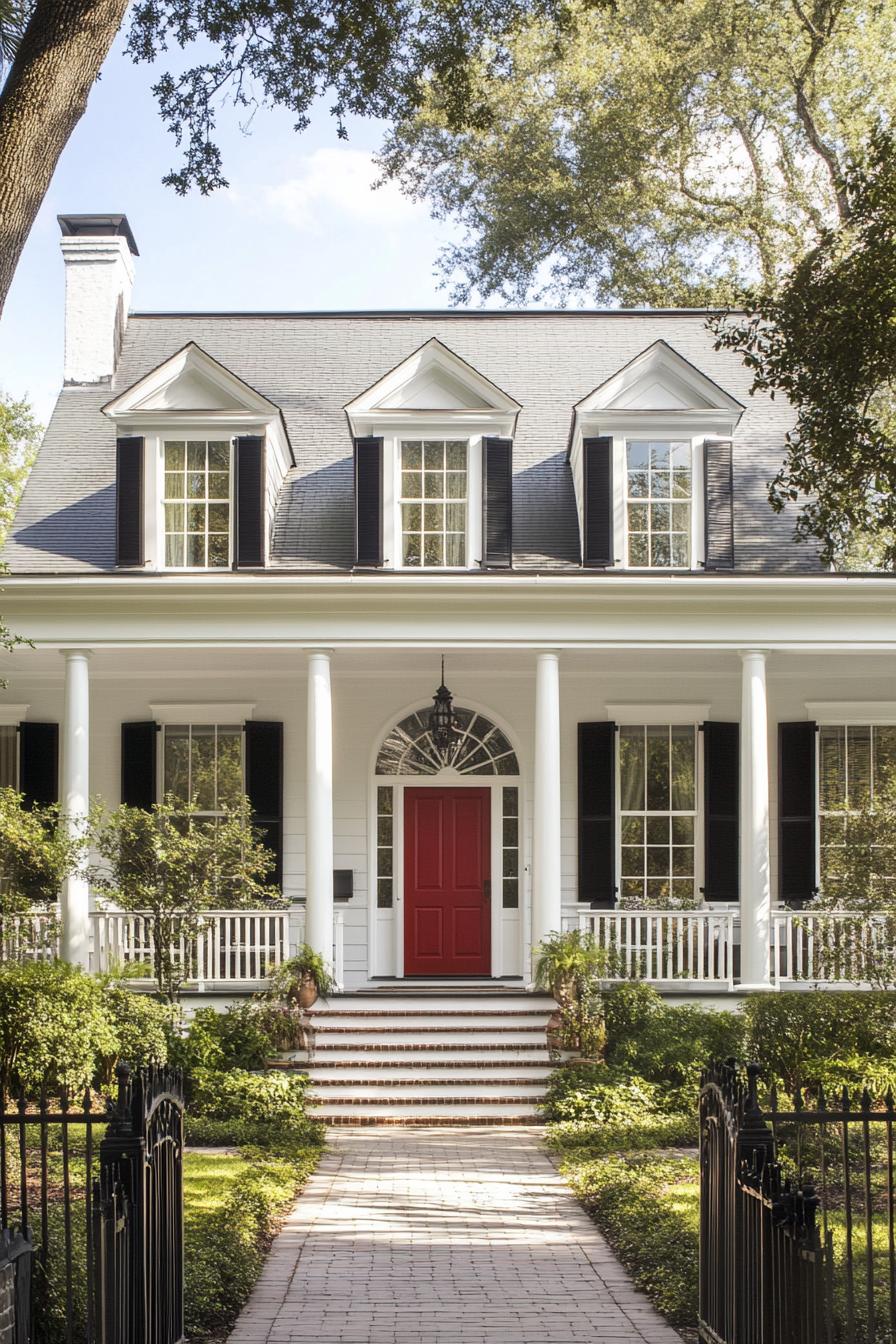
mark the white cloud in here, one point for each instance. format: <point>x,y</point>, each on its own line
<point>340,181</point>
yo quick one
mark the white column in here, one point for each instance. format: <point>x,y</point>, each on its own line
<point>319,808</point>
<point>546,916</point>
<point>74,803</point>
<point>755,882</point>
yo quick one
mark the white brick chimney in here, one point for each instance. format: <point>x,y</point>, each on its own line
<point>99,277</point>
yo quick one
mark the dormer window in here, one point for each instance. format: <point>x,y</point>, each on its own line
<point>433,503</point>
<point>433,445</point>
<point>658,503</point>
<point>199,464</point>
<point>197,503</point>
<point>653,467</point>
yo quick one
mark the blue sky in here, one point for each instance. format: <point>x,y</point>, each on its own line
<point>298,228</point>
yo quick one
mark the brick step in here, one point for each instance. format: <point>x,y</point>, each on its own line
<point>485,1049</point>
<point>422,1037</point>
<point>329,1089</point>
<point>447,1067</point>
<point>472,1112</point>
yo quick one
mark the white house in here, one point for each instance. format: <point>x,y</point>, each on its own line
<point>251,538</point>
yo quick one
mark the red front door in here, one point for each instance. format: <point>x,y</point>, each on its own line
<point>447,863</point>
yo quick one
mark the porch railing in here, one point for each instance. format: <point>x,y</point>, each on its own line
<point>659,945</point>
<point>30,937</point>
<point>233,947</point>
<point>830,947</point>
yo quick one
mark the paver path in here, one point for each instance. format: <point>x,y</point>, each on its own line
<point>414,1234</point>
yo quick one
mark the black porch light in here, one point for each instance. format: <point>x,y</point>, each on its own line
<point>443,726</point>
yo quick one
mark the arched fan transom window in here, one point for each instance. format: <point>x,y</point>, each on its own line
<point>480,748</point>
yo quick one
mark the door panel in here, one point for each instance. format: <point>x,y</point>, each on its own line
<point>447,864</point>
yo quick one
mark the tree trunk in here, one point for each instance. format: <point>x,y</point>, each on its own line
<point>42,101</point>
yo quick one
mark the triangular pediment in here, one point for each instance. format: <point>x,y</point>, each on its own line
<point>190,381</point>
<point>433,378</point>
<point>659,379</point>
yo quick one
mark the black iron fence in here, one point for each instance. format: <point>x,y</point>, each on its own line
<point>797,1216</point>
<point>98,1192</point>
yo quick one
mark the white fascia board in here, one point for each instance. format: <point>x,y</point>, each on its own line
<point>659,359</point>
<point>441,423</point>
<point>192,357</point>
<point>432,353</point>
<point>852,712</point>
<point>202,711</point>
<point>656,712</point>
<point>616,423</point>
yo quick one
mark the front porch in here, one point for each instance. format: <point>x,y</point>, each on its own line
<point>565,692</point>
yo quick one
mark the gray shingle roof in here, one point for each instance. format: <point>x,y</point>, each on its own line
<point>311,365</point>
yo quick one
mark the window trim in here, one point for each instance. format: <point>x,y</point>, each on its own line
<point>168,435</point>
<point>665,430</point>
<point>196,723</point>
<point>880,714</point>
<point>392,533</point>
<point>653,719</point>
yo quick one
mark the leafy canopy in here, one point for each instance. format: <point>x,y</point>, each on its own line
<point>20,436</point>
<point>827,340</point>
<point>372,57</point>
<point>654,153</point>
<point>36,854</point>
<point>174,865</point>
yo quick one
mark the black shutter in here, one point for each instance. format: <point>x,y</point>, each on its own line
<point>719,504</point>
<point>129,502</point>
<point>249,493</point>
<point>138,764</point>
<point>597,814</point>
<point>39,763</point>
<point>597,467</point>
<point>721,811</point>
<point>264,786</point>
<point>797,877</point>
<point>369,502</point>
<point>497,503</point>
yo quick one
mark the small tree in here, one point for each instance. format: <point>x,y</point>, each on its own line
<point>36,854</point>
<point>858,877</point>
<point>173,864</point>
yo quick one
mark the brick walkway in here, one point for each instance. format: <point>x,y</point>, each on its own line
<point>411,1235</point>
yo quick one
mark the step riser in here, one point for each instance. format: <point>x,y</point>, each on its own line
<point>351,1072</point>
<point>418,1092</point>
<point>356,1039</point>
<point>472,1021</point>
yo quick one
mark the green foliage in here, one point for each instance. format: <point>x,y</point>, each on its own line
<point>55,1027</point>
<point>142,1026</point>
<point>370,60</point>
<point>570,965</point>
<point>305,965</point>
<point>822,1037</point>
<point>666,1043</point>
<point>20,434</point>
<point>648,1208</point>
<point>594,1093</point>
<point>232,1204</point>
<point>275,1098</point>
<point>243,1037</point>
<point>654,154</point>
<point>36,855</point>
<point>173,864</point>
<point>826,339</point>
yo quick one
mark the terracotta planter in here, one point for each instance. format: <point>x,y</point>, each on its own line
<point>307,994</point>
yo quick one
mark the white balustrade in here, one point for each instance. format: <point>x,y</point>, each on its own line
<point>30,937</point>
<point>664,945</point>
<point>233,947</point>
<point>830,946</point>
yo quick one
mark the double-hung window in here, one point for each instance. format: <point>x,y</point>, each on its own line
<point>856,766</point>
<point>658,815</point>
<point>196,503</point>
<point>203,764</point>
<point>659,484</point>
<point>433,502</point>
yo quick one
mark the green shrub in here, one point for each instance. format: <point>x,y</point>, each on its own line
<point>648,1209</point>
<point>837,1038</point>
<point>275,1099</point>
<point>55,1027</point>
<point>595,1093</point>
<point>588,1139</point>
<point>243,1037</point>
<point>142,1026</point>
<point>666,1044</point>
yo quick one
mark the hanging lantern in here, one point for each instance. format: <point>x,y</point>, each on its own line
<point>443,726</point>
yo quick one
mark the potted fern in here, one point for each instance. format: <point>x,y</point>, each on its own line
<point>303,978</point>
